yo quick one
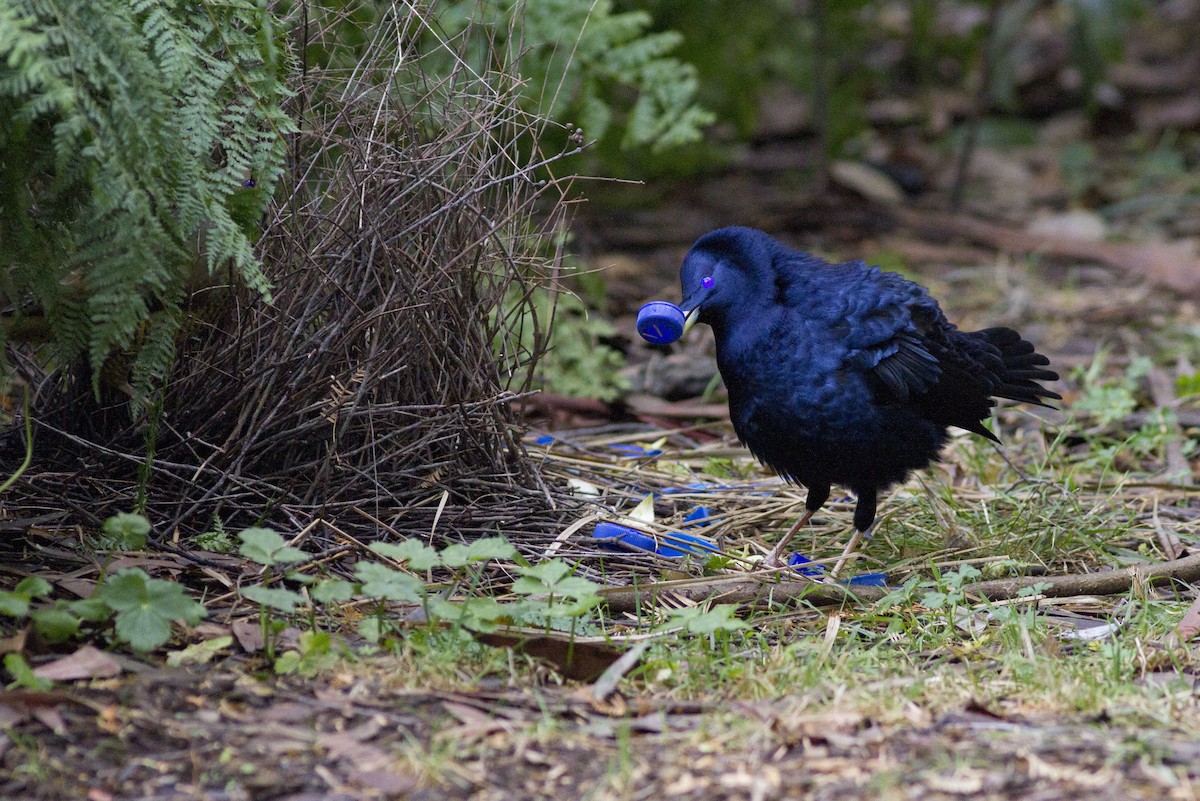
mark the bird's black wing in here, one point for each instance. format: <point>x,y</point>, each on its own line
<point>892,329</point>
<point>897,334</point>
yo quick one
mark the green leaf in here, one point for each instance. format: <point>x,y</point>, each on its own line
<point>145,607</point>
<point>13,605</point>
<point>480,550</point>
<point>33,587</point>
<point>275,598</point>
<point>266,547</point>
<point>125,590</point>
<point>935,600</point>
<point>56,625</point>
<point>126,531</point>
<point>545,574</point>
<point>171,601</point>
<point>143,628</point>
<point>418,555</point>
<point>92,609</point>
<point>481,613</point>
<point>288,663</point>
<point>200,653</point>
<point>331,590</point>
<point>490,548</point>
<point>23,675</point>
<point>697,620</point>
<point>380,581</point>
<point>370,629</point>
<point>575,587</point>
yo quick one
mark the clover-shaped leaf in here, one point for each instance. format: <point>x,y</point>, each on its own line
<point>380,581</point>
<point>264,546</point>
<point>277,598</point>
<point>126,531</point>
<point>417,554</point>
<point>145,607</point>
<point>480,550</point>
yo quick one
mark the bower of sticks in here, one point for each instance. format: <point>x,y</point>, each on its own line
<point>375,389</point>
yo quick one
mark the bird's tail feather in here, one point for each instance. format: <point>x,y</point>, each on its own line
<point>1023,368</point>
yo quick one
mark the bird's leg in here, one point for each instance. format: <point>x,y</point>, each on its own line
<point>864,523</point>
<point>772,559</point>
<point>849,552</point>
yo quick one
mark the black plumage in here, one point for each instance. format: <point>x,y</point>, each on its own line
<point>843,373</point>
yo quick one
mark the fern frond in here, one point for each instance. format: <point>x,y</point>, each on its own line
<point>129,127</point>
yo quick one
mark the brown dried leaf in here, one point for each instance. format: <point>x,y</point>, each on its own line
<point>579,658</point>
<point>88,662</point>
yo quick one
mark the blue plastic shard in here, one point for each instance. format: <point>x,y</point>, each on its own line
<point>805,567</point>
<point>799,560</point>
<point>617,537</point>
<point>636,450</point>
<point>699,516</point>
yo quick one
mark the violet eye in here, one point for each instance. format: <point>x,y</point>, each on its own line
<point>707,282</point>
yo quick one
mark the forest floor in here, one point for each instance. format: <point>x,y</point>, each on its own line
<point>925,689</point>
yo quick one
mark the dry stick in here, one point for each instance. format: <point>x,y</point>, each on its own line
<point>750,590</point>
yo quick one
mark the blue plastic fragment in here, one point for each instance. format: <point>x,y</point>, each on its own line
<point>694,486</point>
<point>618,537</point>
<point>660,322</point>
<point>636,450</point>
<point>868,580</point>
<point>699,516</point>
<point>544,439</point>
<point>798,560</point>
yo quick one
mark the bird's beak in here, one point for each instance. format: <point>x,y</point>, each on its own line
<point>690,319</point>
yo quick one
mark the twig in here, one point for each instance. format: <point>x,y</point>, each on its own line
<point>751,590</point>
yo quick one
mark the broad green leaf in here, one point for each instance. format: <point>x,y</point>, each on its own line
<point>127,531</point>
<point>125,590</point>
<point>91,609</point>
<point>143,628</point>
<point>330,590</point>
<point>33,587</point>
<point>576,587</point>
<point>380,581</point>
<point>490,548</point>
<point>56,625</point>
<point>275,598</point>
<point>200,653</point>
<point>266,547</point>
<point>171,601</point>
<point>697,620</point>
<point>480,550</point>
<point>23,675</point>
<point>548,573</point>
<point>370,628</point>
<point>417,554</point>
<point>13,605</point>
<point>287,663</point>
<point>481,614</point>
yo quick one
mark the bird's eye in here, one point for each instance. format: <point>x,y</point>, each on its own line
<point>707,282</point>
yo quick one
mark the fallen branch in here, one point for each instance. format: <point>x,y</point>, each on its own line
<point>759,589</point>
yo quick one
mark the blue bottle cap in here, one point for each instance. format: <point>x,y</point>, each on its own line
<point>660,322</point>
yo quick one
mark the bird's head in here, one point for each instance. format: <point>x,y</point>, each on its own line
<point>727,271</point>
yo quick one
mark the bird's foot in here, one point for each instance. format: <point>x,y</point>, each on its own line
<point>774,560</point>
